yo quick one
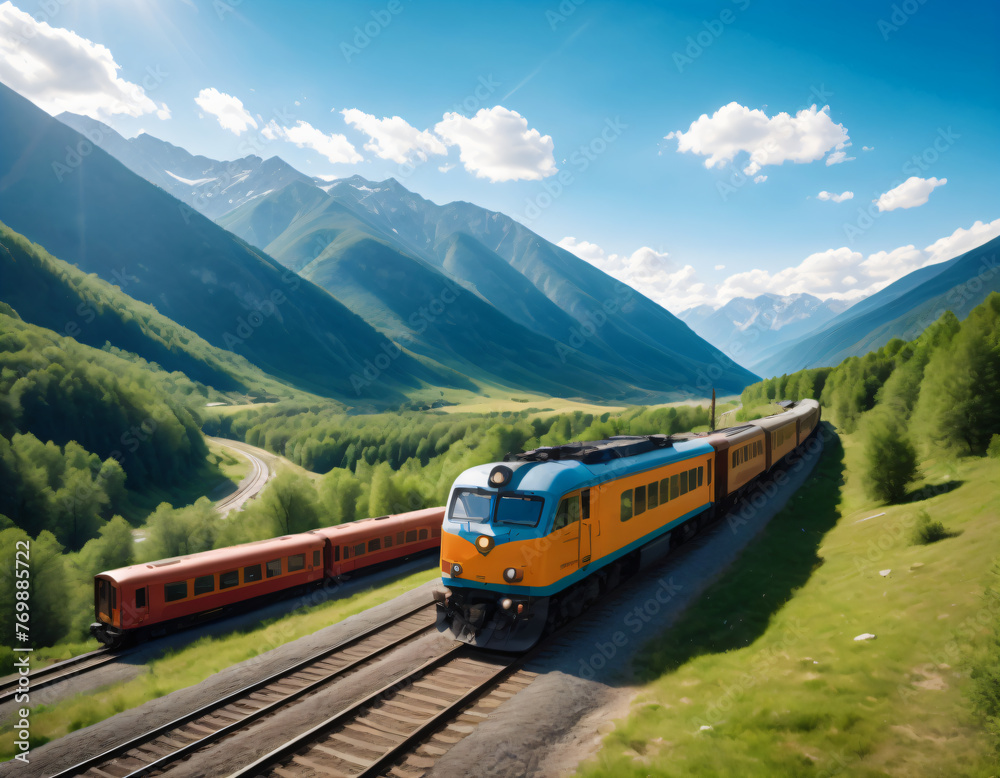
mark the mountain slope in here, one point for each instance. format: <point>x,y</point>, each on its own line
<point>745,327</point>
<point>903,309</point>
<point>573,309</point>
<point>90,210</point>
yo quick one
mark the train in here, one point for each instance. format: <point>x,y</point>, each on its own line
<point>530,542</point>
<point>154,598</point>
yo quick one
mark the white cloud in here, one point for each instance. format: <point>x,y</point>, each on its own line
<point>497,144</point>
<point>912,192</point>
<point>60,71</point>
<point>759,179</point>
<point>768,140</point>
<point>839,155</point>
<point>446,167</point>
<point>868,148</point>
<point>334,147</point>
<point>720,267</point>
<point>227,109</point>
<point>844,274</point>
<point>393,137</point>
<point>836,198</point>
<point>646,270</point>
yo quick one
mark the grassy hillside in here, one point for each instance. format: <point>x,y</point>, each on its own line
<point>53,294</point>
<point>763,676</point>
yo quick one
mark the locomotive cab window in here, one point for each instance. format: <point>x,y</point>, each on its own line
<point>204,584</point>
<point>626,505</point>
<point>251,573</point>
<point>522,510</point>
<point>229,580</point>
<point>274,568</point>
<point>175,591</point>
<point>140,597</point>
<point>471,505</point>
<point>298,561</point>
<point>568,512</point>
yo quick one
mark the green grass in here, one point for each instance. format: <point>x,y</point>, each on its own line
<point>198,661</point>
<point>767,658</point>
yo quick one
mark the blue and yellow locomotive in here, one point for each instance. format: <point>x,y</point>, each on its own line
<point>531,542</point>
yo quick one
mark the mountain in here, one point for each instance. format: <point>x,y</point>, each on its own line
<point>746,327</point>
<point>903,309</point>
<point>569,314</point>
<point>90,210</point>
<point>207,185</point>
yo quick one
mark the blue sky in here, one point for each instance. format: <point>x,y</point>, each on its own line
<point>915,83</point>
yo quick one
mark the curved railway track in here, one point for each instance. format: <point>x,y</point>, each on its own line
<point>251,485</point>
<point>401,729</point>
<point>60,671</point>
<point>153,752</point>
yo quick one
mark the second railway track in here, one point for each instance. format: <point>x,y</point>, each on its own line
<point>155,751</point>
<point>60,671</point>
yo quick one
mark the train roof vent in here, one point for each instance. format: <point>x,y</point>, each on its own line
<point>734,430</point>
<point>594,452</point>
<point>379,518</point>
<point>165,562</point>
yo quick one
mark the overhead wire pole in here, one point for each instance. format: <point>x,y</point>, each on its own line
<point>712,420</point>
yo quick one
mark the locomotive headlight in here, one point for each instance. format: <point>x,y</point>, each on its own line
<point>484,544</point>
<point>500,476</point>
<point>506,603</point>
<point>513,575</point>
<point>456,569</point>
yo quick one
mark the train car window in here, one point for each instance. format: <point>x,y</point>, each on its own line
<point>374,545</point>
<point>684,482</point>
<point>568,512</point>
<point>298,561</point>
<point>710,472</point>
<point>519,509</point>
<point>273,568</point>
<point>640,500</point>
<point>347,552</point>
<point>653,495</point>
<point>585,503</point>
<point>387,541</point>
<point>701,475</point>
<point>737,451</point>
<point>204,584</point>
<point>411,536</point>
<point>359,549</point>
<point>675,487</point>
<point>140,597</point>
<point>316,561</point>
<point>436,532</point>
<point>399,539</point>
<point>627,505</point>
<point>251,573</point>
<point>665,491</point>
<point>175,591</point>
<point>422,535</point>
<point>229,580</point>
<point>692,479</point>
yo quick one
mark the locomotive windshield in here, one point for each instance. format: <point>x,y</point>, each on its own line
<point>519,509</point>
<point>471,505</point>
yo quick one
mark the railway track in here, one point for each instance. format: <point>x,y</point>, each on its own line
<point>60,671</point>
<point>403,728</point>
<point>251,485</point>
<point>155,751</point>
